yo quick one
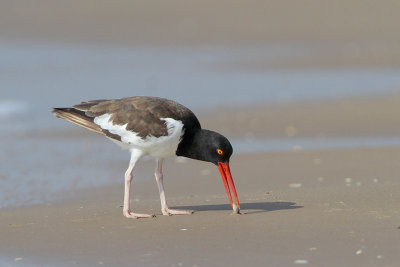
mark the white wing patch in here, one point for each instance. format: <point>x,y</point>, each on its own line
<point>163,146</point>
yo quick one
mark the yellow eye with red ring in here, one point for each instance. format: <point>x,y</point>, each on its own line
<point>220,152</point>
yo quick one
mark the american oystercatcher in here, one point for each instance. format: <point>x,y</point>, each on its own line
<point>155,127</point>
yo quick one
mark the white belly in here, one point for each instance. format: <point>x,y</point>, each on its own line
<point>158,147</point>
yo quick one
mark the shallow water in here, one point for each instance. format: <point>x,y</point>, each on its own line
<point>36,77</point>
<point>243,146</point>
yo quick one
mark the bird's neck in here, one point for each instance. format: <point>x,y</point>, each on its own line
<point>193,145</point>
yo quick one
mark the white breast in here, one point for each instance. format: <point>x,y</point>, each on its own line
<point>159,147</point>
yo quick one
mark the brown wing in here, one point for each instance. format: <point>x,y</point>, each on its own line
<point>141,114</point>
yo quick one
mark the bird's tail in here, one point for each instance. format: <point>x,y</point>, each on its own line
<point>78,117</point>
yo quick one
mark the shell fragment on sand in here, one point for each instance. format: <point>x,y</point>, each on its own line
<point>301,262</point>
<point>295,185</point>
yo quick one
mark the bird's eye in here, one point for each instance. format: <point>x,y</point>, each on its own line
<point>220,152</point>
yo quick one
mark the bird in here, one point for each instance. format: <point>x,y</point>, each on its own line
<point>156,127</point>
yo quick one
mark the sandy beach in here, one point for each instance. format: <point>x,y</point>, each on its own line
<point>324,207</point>
<point>317,207</point>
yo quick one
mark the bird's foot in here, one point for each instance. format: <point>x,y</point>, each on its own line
<point>176,212</point>
<point>131,215</point>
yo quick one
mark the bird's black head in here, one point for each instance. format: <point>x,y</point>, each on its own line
<point>213,147</point>
<point>208,146</point>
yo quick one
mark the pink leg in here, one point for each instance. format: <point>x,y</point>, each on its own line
<point>128,179</point>
<point>164,207</point>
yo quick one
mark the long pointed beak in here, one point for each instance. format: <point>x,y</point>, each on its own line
<point>227,178</point>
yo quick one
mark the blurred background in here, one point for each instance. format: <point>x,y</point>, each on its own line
<point>212,56</point>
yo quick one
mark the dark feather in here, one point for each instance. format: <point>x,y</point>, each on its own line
<point>141,114</point>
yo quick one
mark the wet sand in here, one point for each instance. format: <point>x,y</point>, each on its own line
<point>364,116</point>
<point>324,207</point>
<point>345,33</point>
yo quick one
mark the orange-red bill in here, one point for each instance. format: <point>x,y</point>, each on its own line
<point>228,181</point>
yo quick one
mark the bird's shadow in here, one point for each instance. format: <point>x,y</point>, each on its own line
<point>246,208</point>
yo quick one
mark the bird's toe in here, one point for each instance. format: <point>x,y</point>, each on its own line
<point>132,215</point>
<point>170,212</point>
